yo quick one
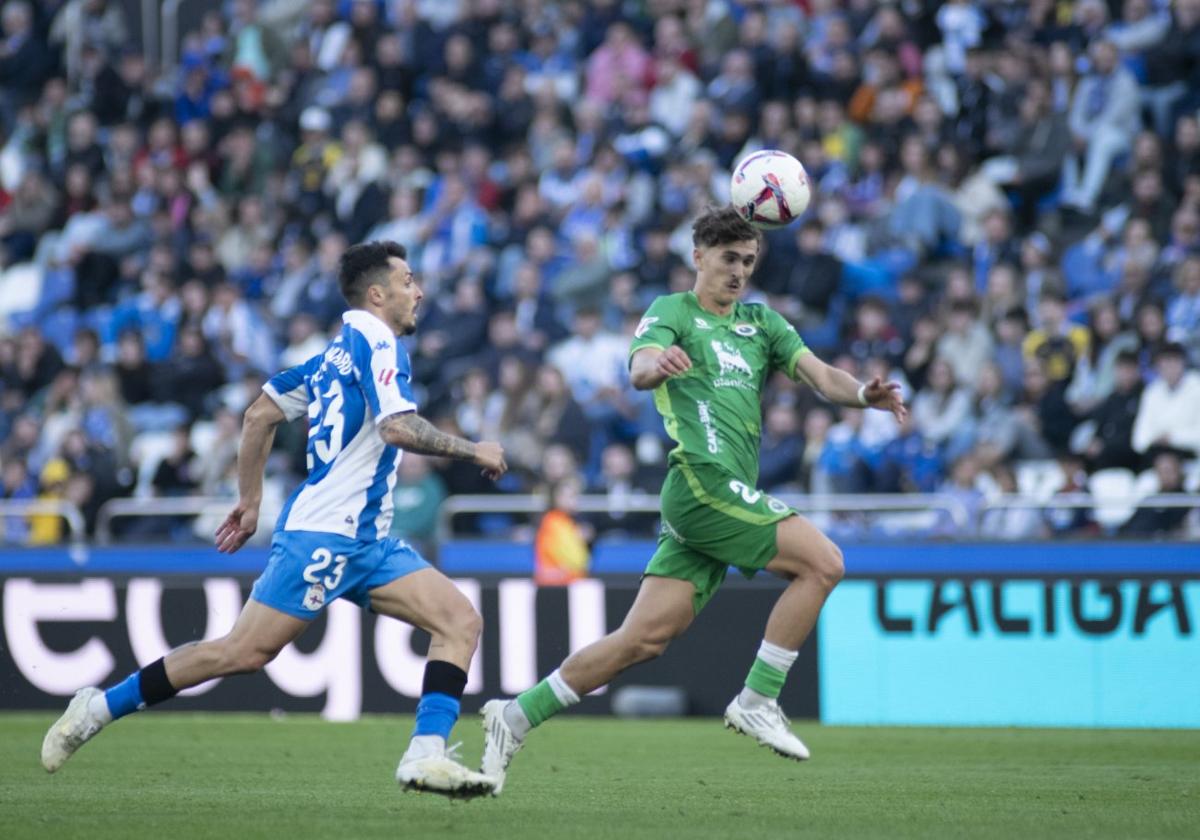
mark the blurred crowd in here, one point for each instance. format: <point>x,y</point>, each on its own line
<point>1006,217</point>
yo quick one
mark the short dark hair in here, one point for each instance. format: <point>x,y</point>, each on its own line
<point>365,265</point>
<point>722,226</point>
<point>1170,349</point>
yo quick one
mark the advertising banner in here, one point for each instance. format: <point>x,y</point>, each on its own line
<point>1012,652</point>
<point>61,633</point>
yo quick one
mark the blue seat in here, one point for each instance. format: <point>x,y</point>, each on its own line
<point>58,327</point>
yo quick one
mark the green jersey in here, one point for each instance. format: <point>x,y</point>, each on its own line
<point>714,411</point>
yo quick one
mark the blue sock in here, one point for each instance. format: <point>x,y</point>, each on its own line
<point>436,715</point>
<point>126,696</point>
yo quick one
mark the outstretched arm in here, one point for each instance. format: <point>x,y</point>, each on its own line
<point>258,434</point>
<point>839,387</point>
<point>413,433</point>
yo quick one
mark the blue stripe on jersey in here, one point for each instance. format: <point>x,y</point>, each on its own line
<point>367,529</point>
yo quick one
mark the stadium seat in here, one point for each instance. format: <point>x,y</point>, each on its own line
<point>1115,492</point>
<point>1146,484</point>
<point>20,289</point>
<point>204,432</point>
<point>146,451</point>
<point>1191,476</point>
<point>1039,479</point>
<point>58,328</point>
<point>58,287</point>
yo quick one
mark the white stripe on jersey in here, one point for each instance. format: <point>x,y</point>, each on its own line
<point>335,503</point>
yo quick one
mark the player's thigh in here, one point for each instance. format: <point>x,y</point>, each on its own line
<point>428,599</point>
<point>723,518</point>
<point>662,610</point>
<point>803,550</point>
<point>689,573</point>
<point>265,630</point>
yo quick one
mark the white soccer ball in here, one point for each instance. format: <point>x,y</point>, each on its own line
<point>770,189</point>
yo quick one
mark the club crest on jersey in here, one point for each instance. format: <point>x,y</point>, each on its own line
<point>645,324</point>
<point>702,324</point>
<point>745,330</point>
<point>730,359</point>
<point>314,599</point>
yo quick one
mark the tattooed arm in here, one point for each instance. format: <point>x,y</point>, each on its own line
<point>413,433</point>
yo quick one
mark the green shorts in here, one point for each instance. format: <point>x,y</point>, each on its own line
<point>712,520</point>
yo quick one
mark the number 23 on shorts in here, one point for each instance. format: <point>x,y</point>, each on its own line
<point>322,558</point>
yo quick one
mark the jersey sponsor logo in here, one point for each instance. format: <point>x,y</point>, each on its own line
<point>383,345</point>
<point>644,325</point>
<point>730,359</point>
<point>702,324</point>
<point>745,330</point>
<point>710,431</point>
<point>386,376</point>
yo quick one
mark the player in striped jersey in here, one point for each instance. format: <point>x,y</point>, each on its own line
<point>331,539</point>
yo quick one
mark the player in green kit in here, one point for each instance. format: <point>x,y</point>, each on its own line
<point>706,355</point>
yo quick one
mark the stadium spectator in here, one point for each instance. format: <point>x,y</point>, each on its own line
<point>941,409</point>
<point>1103,120</point>
<point>533,177</point>
<point>561,545</point>
<point>1157,521</point>
<point>1111,443</point>
<point>1166,417</point>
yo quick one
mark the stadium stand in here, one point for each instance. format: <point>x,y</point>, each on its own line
<point>1006,217</point>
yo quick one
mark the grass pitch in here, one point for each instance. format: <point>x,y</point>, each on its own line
<point>177,776</point>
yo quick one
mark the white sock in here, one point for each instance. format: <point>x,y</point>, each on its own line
<point>776,657</point>
<point>423,746</point>
<point>565,694</point>
<point>98,709</point>
<point>514,716</point>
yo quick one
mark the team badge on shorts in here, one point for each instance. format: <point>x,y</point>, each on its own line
<point>314,599</point>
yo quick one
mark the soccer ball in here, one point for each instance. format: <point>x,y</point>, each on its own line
<point>770,189</point>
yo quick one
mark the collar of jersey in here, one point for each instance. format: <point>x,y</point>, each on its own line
<point>354,317</point>
<point>724,320</point>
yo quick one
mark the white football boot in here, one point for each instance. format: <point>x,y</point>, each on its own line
<point>768,725</point>
<point>500,743</point>
<point>442,774</point>
<point>75,728</point>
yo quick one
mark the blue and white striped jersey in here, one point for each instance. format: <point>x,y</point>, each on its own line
<point>361,378</point>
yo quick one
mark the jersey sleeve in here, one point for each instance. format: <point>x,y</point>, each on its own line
<point>385,375</point>
<point>288,389</point>
<point>659,327</point>
<point>784,343</point>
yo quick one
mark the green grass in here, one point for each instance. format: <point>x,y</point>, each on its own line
<point>240,776</point>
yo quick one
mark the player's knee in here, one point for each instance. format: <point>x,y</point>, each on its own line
<point>461,622</point>
<point>245,659</point>
<point>470,625</point>
<point>647,645</point>
<point>829,565</point>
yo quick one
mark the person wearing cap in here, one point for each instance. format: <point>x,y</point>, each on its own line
<point>1167,417</point>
